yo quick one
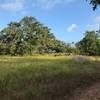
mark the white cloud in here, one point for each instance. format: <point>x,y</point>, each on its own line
<point>48,4</point>
<point>72,28</point>
<point>17,5</point>
<point>13,6</point>
<point>45,4</point>
<point>95,25</point>
<point>98,19</point>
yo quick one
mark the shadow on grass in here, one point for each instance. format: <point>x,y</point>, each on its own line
<point>45,86</point>
<point>57,81</point>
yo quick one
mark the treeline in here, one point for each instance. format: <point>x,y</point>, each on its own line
<point>90,44</point>
<point>29,36</point>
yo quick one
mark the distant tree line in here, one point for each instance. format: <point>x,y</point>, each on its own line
<point>29,36</point>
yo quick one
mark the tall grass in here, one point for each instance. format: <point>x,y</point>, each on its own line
<point>44,77</point>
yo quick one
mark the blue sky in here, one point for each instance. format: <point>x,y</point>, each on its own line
<point>68,19</point>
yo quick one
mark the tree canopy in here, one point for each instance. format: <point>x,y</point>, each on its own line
<point>95,3</point>
<point>29,36</point>
<point>90,44</point>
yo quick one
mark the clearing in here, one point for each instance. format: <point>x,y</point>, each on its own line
<point>49,78</point>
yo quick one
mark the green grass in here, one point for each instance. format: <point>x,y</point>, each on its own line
<point>45,77</point>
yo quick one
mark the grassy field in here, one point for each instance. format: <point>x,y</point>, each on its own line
<point>45,77</point>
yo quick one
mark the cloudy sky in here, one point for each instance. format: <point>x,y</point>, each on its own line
<point>68,19</point>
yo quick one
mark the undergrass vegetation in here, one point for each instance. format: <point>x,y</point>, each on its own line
<point>45,77</point>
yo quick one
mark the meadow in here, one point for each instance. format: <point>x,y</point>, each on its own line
<point>46,77</point>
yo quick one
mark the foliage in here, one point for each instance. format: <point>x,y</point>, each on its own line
<point>29,36</point>
<point>95,3</point>
<point>40,78</point>
<point>90,44</point>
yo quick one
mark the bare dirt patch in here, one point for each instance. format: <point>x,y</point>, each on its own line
<point>90,93</point>
<point>80,58</point>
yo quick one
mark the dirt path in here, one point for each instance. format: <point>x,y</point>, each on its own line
<point>90,93</point>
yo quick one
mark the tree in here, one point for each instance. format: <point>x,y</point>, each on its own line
<point>90,44</point>
<point>12,36</point>
<point>36,35</point>
<point>98,42</point>
<point>95,3</point>
<point>29,36</point>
